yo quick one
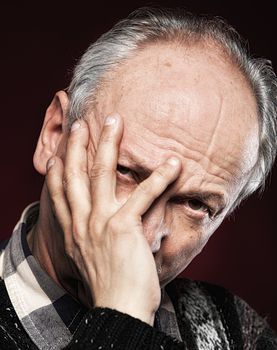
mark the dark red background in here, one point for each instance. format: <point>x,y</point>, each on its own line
<point>40,44</point>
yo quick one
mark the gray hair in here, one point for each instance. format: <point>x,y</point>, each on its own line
<point>149,25</point>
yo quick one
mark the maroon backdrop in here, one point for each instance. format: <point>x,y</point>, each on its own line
<point>39,46</point>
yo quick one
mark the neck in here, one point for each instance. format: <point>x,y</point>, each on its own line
<point>46,242</point>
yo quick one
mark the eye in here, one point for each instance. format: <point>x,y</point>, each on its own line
<point>123,170</point>
<point>199,208</point>
<point>126,174</point>
<point>194,206</point>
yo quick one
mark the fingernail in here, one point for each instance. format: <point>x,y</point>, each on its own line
<point>173,161</point>
<point>110,120</point>
<point>75,126</point>
<point>50,163</point>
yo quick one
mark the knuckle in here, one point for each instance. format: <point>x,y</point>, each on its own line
<point>98,171</point>
<point>112,224</point>
<point>56,194</point>
<point>161,174</point>
<point>115,225</point>
<point>145,187</point>
<point>68,178</point>
<point>95,224</point>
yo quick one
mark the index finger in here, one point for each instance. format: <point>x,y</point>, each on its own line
<point>151,188</point>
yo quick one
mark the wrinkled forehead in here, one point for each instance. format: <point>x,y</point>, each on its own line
<point>189,96</point>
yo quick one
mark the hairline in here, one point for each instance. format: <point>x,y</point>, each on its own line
<point>205,42</point>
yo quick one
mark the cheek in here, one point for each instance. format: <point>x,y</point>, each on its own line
<point>183,243</point>
<point>179,248</point>
<point>185,235</point>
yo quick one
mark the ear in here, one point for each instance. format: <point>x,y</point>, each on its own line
<point>52,132</point>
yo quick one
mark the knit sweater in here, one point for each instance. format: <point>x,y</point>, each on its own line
<point>209,317</point>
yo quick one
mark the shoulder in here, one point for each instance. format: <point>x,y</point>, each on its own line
<point>201,294</point>
<point>202,302</point>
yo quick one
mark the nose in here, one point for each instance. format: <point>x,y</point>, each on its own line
<point>154,225</point>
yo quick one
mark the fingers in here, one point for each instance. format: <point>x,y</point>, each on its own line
<point>55,187</point>
<point>150,189</point>
<point>103,172</point>
<point>75,178</point>
<point>73,191</point>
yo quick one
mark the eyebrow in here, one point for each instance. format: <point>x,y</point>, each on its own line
<point>141,168</point>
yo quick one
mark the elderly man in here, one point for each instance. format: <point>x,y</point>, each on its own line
<point>166,126</point>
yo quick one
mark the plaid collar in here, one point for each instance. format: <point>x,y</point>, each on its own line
<point>47,312</point>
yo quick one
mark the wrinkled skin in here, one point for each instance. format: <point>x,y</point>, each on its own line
<point>188,103</point>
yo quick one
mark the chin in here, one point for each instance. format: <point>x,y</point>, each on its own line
<point>167,272</point>
<point>166,276</point>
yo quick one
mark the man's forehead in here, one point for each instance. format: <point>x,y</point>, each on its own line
<point>192,107</point>
<point>167,83</point>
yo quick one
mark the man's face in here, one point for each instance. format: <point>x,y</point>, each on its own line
<point>192,104</point>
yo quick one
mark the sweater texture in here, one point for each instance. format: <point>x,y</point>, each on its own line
<point>209,317</point>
